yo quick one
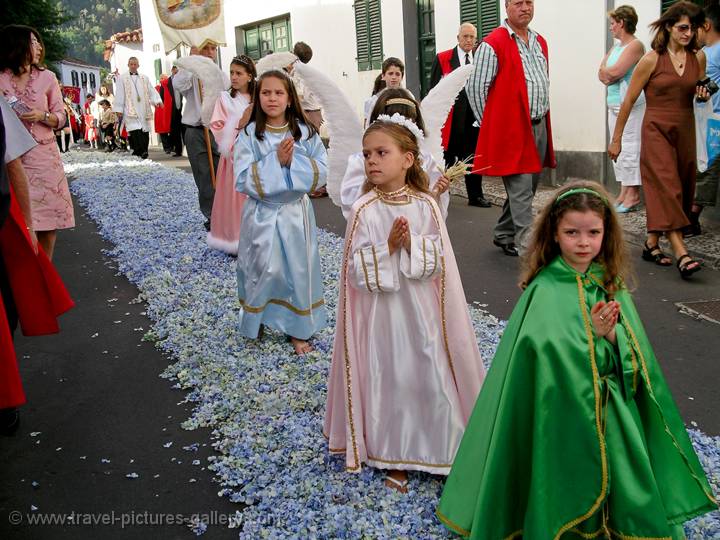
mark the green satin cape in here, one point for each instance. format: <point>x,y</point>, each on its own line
<point>572,437</point>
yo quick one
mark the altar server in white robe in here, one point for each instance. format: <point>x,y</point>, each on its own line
<point>134,100</point>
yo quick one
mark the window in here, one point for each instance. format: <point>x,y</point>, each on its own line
<point>368,34</point>
<point>83,78</point>
<point>426,42</point>
<point>156,47</point>
<point>258,39</point>
<point>93,83</point>
<point>484,14</point>
<point>158,68</point>
<point>74,78</point>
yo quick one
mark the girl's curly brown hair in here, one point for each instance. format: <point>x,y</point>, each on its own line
<point>543,247</point>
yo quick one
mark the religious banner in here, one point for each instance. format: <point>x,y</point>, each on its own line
<point>190,22</point>
<point>72,92</point>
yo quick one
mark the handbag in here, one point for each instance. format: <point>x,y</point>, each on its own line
<point>703,112</point>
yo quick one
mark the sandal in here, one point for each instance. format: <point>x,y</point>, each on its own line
<point>689,267</point>
<point>656,255</point>
<point>398,485</point>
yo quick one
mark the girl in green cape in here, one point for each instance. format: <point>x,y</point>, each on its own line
<point>575,434</point>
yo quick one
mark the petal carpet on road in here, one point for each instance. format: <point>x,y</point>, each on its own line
<point>264,404</point>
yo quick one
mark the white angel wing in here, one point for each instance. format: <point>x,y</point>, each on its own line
<point>214,81</point>
<point>278,60</point>
<point>343,125</point>
<point>436,107</point>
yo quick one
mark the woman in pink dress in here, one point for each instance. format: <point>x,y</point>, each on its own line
<point>231,114</point>
<point>39,105</point>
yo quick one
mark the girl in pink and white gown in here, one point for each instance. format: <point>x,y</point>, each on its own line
<point>231,114</point>
<point>406,368</point>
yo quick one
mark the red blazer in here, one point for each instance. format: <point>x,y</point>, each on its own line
<point>506,144</point>
<point>39,294</point>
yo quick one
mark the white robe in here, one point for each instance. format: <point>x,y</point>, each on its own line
<point>144,119</point>
<point>406,369</point>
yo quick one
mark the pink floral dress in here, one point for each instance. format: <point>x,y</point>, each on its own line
<point>50,200</point>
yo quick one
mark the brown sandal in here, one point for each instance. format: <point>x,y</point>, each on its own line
<point>656,255</point>
<point>689,267</point>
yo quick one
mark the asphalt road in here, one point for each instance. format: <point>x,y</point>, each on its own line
<point>94,393</point>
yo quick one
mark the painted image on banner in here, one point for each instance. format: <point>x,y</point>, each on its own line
<point>188,14</point>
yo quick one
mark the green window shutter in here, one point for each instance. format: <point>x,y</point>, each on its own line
<point>368,32</point>
<point>376,51</point>
<point>469,11</point>
<point>158,68</point>
<point>484,14</point>
<point>252,43</point>
<point>280,36</point>
<point>489,17</point>
<point>263,36</point>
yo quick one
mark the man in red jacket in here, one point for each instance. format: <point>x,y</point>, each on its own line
<point>459,134</point>
<point>509,94</point>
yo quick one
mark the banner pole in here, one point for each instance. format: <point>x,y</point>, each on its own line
<point>208,145</point>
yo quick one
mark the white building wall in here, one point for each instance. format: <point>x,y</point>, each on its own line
<point>123,52</point>
<point>393,30</point>
<point>328,26</point>
<point>447,23</point>
<point>66,78</point>
<point>576,32</point>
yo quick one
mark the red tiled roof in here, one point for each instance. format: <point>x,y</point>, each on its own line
<point>134,36</point>
<point>125,37</point>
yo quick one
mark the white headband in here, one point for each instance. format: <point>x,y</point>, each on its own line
<point>401,120</point>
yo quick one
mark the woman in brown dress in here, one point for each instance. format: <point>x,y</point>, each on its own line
<point>668,74</point>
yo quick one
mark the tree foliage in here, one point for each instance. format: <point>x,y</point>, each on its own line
<point>76,28</point>
<point>46,16</point>
<point>95,21</point>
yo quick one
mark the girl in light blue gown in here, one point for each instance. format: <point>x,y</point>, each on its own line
<point>278,159</point>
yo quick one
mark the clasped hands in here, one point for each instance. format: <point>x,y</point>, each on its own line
<point>399,236</point>
<point>604,317</point>
<point>285,151</point>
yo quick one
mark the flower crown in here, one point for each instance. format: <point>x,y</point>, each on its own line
<point>408,124</point>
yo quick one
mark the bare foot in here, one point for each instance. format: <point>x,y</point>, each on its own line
<point>397,480</point>
<point>301,346</point>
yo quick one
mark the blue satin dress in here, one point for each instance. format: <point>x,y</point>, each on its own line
<point>278,264</point>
